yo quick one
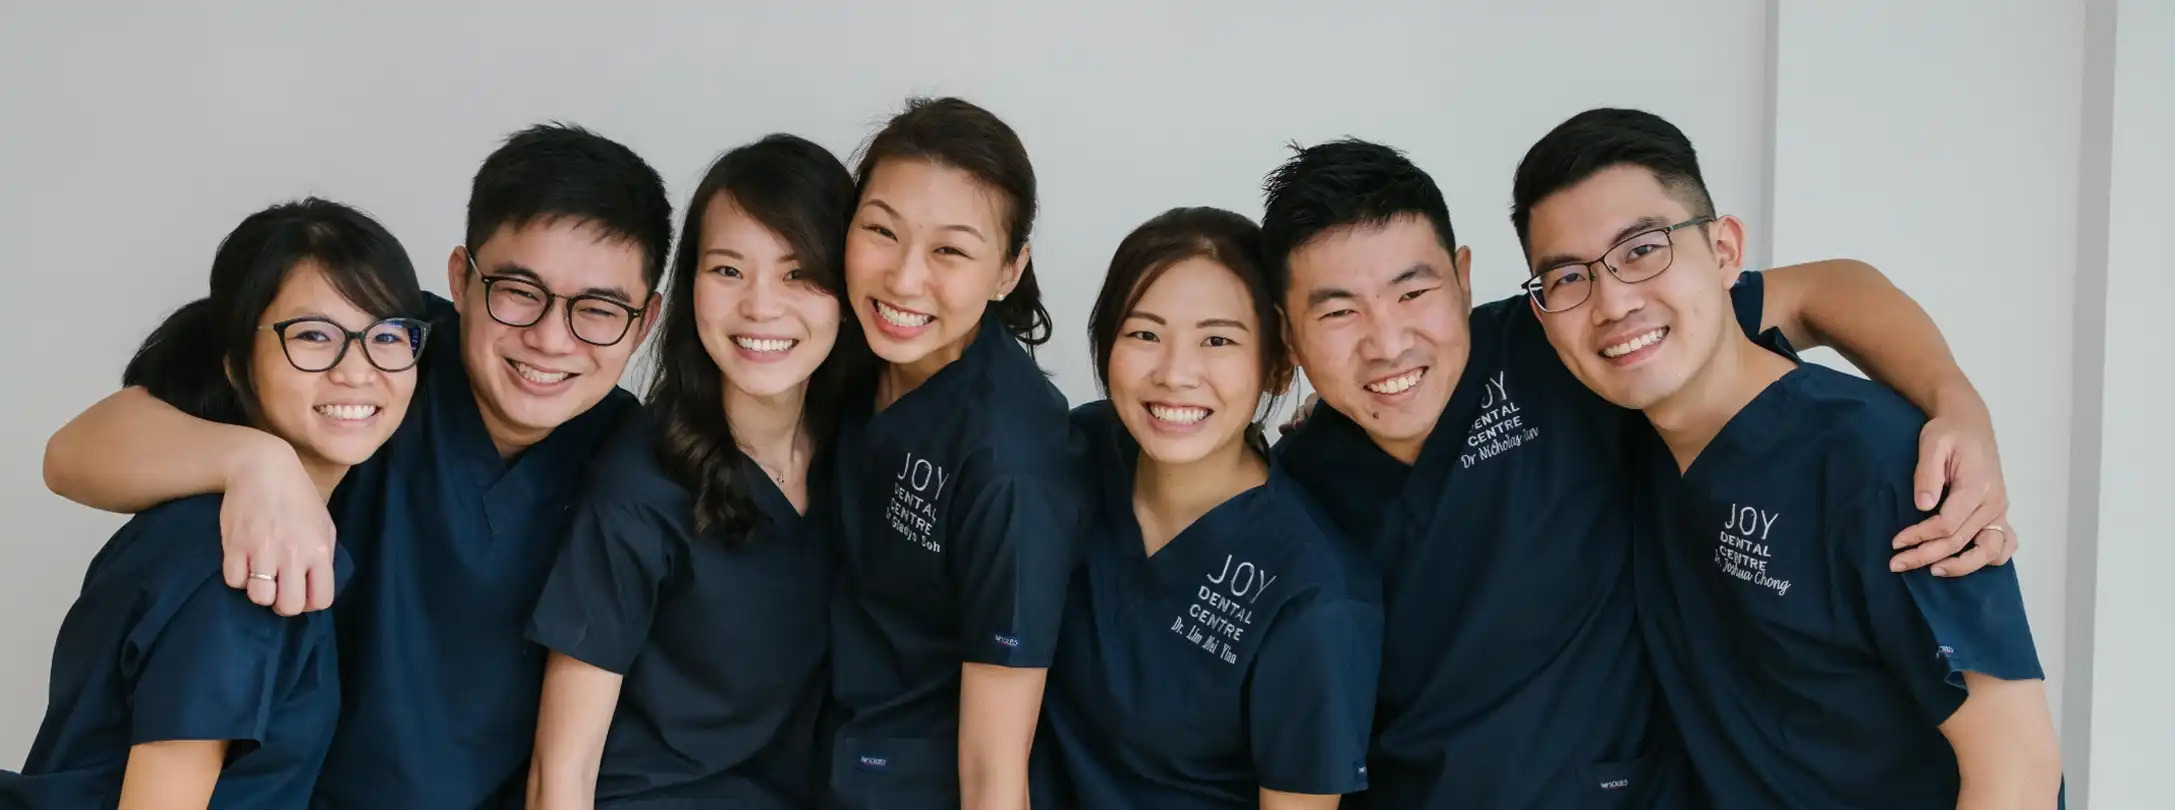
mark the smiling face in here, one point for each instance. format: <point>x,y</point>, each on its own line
<point>531,379</point>
<point>1379,323</point>
<point>761,317</point>
<point>1186,370</point>
<point>1638,344</point>
<point>335,418</point>
<point>924,258</point>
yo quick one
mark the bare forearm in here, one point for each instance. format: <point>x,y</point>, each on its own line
<point>131,452</point>
<point>998,709</point>
<point>172,775</point>
<point>1277,800</point>
<point>1851,307</point>
<point>2005,746</point>
<point>571,725</point>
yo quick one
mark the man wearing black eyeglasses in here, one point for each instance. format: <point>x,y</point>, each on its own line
<point>1799,670</point>
<point>1490,488</point>
<point>455,522</point>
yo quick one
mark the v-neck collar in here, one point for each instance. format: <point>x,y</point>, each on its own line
<point>989,339</point>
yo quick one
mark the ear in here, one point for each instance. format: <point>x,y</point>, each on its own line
<point>1463,262</point>
<point>457,276</point>
<point>649,318</point>
<point>1009,276</point>
<point>1727,239</point>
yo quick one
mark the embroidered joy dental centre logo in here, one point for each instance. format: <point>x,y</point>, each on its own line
<point>914,493</point>
<point>1500,427</point>
<point>1223,608</point>
<point>1743,552</point>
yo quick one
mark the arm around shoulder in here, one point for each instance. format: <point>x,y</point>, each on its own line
<point>132,451</point>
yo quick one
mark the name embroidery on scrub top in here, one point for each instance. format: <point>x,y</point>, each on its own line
<point>1222,612</point>
<point>912,511</point>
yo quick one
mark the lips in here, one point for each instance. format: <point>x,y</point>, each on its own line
<point>1625,347</point>
<point>1178,414</point>
<point>902,317</point>
<point>1397,384</point>
<point>348,411</point>
<point>765,345</point>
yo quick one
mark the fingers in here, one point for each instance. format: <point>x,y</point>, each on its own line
<point>1933,543</point>
<point>321,582</point>
<point>294,585</point>
<point>263,576</point>
<point>1934,453</point>
<point>1999,541</point>
<point>236,568</point>
<point>1973,559</point>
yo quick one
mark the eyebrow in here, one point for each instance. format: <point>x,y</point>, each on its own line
<point>1637,226</point>
<point>966,229</point>
<point>525,274</point>
<point>1204,323</point>
<point>734,254</point>
<point>1417,272</point>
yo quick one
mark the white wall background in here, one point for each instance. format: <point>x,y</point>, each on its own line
<point>1940,141</point>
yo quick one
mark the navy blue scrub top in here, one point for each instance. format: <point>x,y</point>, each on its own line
<point>158,648</point>
<point>1802,673</point>
<point>721,639</point>
<point>960,507</point>
<point>1512,672</point>
<point>1242,655</point>
<point>452,544</point>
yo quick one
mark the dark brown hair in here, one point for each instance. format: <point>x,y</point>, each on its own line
<point>801,192</point>
<point>1220,236</point>
<point>956,134</point>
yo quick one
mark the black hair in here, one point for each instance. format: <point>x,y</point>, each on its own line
<point>1226,238</point>
<point>201,359</point>
<point>556,171</point>
<point>955,133</point>
<point>1342,184</point>
<point>801,192</point>
<point>1599,139</point>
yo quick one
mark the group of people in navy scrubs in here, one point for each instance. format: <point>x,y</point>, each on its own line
<point>1604,544</point>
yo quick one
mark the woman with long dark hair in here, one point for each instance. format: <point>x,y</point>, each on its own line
<point>1221,643</point>
<point>958,483</point>
<point>687,615</point>
<point>169,689</point>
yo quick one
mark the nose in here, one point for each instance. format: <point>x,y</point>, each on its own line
<point>1614,300</point>
<point>763,299</point>
<point>1386,339</point>
<point>909,276</point>
<point>553,333</point>
<point>1177,368</point>
<point>354,369</point>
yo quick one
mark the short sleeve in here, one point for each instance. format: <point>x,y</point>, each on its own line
<point>211,670</point>
<point>1310,700</point>
<point>1749,298</point>
<point>1930,630</point>
<point>1012,555</point>
<point>602,593</point>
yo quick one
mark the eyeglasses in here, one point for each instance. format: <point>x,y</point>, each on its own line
<point>521,303</point>
<point>1641,257</point>
<point>314,343</point>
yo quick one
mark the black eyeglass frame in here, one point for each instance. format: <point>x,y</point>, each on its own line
<point>1532,285</point>
<point>634,312</point>
<point>417,328</point>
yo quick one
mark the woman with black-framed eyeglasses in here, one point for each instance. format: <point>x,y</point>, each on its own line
<point>169,689</point>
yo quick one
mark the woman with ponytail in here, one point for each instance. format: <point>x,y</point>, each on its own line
<point>1220,645</point>
<point>959,495</point>
<point>169,689</point>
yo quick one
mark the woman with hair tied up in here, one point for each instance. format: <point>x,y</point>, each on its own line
<point>170,689</point>
<point>687,616</point>
<point>1220,643</point>
<point>959,494</point>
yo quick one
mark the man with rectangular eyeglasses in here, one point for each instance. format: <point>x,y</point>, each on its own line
<point>455,523</point>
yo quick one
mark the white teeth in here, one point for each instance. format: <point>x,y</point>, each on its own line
<point>348,413</point>
<point>1180,414</point>
<point>1398,384</point>
<point>899,317</point>
<point>537,375</point>
<point>1635,344</point>
<point>763,345</point>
